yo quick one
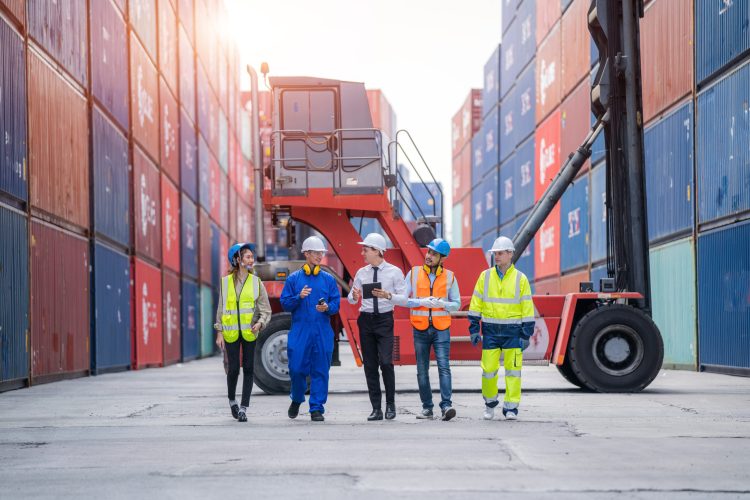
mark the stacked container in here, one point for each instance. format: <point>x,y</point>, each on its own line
<point>465,127</point>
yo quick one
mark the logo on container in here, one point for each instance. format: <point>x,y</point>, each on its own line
<point>148,208</point>
<point>489,201</point>
<point>546,159</point>
<point>148,314</point>
<point>489,80</point>
<point>508,188</point>
<point>171,317</point>
<point>574,222</point>
<point>489,140</point>
<point>546,240</point>
<point>525,30</point>
<point>508,122</point>
<point>191,318</point>
<point>169,223</point>
<point>145,101</point>
<point>508,58</point>
<point>478,211</point>
<point>466,122</point>
<point>478,156</point>
<point>455,133</point>
<point>526,102</point>
<point>170,137</point>
<point>190,236</point>
<point>526,174</point>
<point>547,78</point>
<point>106,38</point>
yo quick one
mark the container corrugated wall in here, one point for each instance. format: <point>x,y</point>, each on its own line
<point>548,13</point>
<point>547,246</point>
<point>144,99</point>
<point>111,303</point>
<point>13,168</point>
<point>147,209</point>
<point>668,152</point>
<point>491,89</point>
<point>189,238</point>
<point>723,156</point>
<point>731,20</point>
<point>14,288</point>
<point>574,124</point>
<point>525,97</point>
<point>724,298</point>
<point>457,215</point>
<point>186,11</point>
<point>548,78</point>
<point>574,222</point>
<point>188,158</point>
<point>17,8</point>
<point>109,60</point>
<point>168,43</point>
<point>597,273</point>
<point>59,328</point>
<point>526,262</point>
<point>673,304</point>
<point>523,182</point>
<point>147,333</point>
<point>571,283</point>
<point>484,200</point>
<point>547,156</point>
<point>169,133</point>
<point>170,230</point>
<point>171,294</point>
<point>204,244</point>
<point>187,74</point>
<point>505,191</point>
<point>208,315</point>
<point>204,174</point>
<point>190,334</point>
<point>598,214</point>
<point>143,21</point>
<point>575,43</point>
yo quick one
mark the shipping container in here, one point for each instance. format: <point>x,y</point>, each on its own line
<point>525,262</point>
<point>547,156</point>
<point>14,288</point>
<point>547,286</point>
<point>204,174</point>
<point>213,188</point>
<point>109,60</point>
<point>189,238</point>
<point>508,12</point>
<point>574,121</point>
<point>484,201</point>
<point>223,142</point>
<point>223,196</point>
<point>466,122</point>
<point>566,3</point>
<point>599,148</point>
<point>172,343</point>
<point>507,201</point>
<point>426,199</point>
<point>187,75</point>
<point>382,114</point>
<point>59,328</point>
<point>169,133</point>
<point>457,214</point>
<point>58,144</point>
<point>548,78</point>
<point>523,181</point>
<point>574,226</point>
<point>597,273</point>
<point>477,148</point>
<point>143,20</point>
<point>730,19</point>
<point>724,299</point>
<point>144,99</point>
<point>598,213</point>
<point>110,304</point>
<point>490,156</point>
<point>215,259</point>
<point>547,246</point>
<point>571,283</point>
<point>190,335</point>
<point>17,8</point>
<point>188,157</point>
<point>170,209</point>
<point>186,12</point>
<point>462,173</point>
<point>576,40</point>
<point>507,125</point>
<point>111,180</point>
<point>666,55</point>
<point>147,334</point>
<point>668,152</point>
<point>526,19</point>
<point>208,317</point>
<point>13,168</point>
<point>204,243</point>
<point>723,156</point>
<point>168,44</point>
<point>525,105</point>
<point>509,47</point>
<point>548,13</point>
<point>491,89</point>
<point>60,28</point>
<point>673,303</point>
<point>147,209</point>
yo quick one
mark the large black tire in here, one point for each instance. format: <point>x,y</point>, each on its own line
<point>271,368</point>
<point>567,372</point>
<point>615,348</point>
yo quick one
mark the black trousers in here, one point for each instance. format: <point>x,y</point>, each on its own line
<point>376,338</point>
<point>233,370</point>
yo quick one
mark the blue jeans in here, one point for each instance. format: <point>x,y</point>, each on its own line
<point>440,340</point>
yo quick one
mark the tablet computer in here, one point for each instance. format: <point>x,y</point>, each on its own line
<point>367,289</point>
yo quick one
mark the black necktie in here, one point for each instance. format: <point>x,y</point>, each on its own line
<point>374,299</point>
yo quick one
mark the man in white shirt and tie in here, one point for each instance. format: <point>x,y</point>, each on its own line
<point>375,322</point>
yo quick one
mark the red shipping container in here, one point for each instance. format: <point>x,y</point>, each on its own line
<point>147,336</point>
<point>548,286</point>
<point>170,133</point>
<point>143,21</point>
<point>146,206</point>
<point>666,55</point>
<point>547,154</point>
<point>59,302</point>
<point>223,205</point>
<point>223,251</point>
<point>170,209</point>
<point>232,164</point>
<point>548,78</point>
<point>547,246</point>
<point>213,188</point>
<point>570,283</point>
<point>577,42</point>
<point>232,226</point>
<point>467,121</point>
<point>144,99</point>
<point>462,173</point>
<point>466,220</point>
<point>168,44</point>
<point>204,237</point>
<point>58,144</point>
<point>171,317</point>
<point>17,8</point>
<point>547,14</point>
<point>245,223</point>
<point>574,123</point>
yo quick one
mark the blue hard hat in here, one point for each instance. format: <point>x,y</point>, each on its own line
<point>237,248</point>
<point>440,246</point>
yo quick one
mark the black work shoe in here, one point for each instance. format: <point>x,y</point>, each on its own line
<point>241,416</point>
<point>425,414</point>
<point>390,411</point>
<point>293,410</point>
<point>316,416</point>
<point>376,414</point>
<point>448,413</point>
<point>235,411</point>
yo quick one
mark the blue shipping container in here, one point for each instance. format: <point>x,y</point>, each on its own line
<point>525,105</point>
<point>110,312</point>
<point>484,206</point>
<point>599,148</point>
<point>723,155</point>
<point>597,273</point>
<point>203,92</point>
<point>477,157</point>
<point>574,222</point>
<point>526,261</point>
<point>526,17</point>
<point>490,155</point>
<point>508,13</point>
<point>215,259</point>
<point>189,238</point>
<point>190,320</point>
<point>111,186</point>
<point>506,192</point>
<point>491,89</point>
<point>109,60</point>
<point>507,125</point>
<point>187,74</point>
<point>60,27</point>
<point>426,199</point>
<point>668,151</point>
<point>724,297</point>
<point>13,173</point>
<point>509,58</point>
<point>204,174</point>
<point>188,157</point>
<point>524,176</point>
<point>14,288</point>
<point>722,35</point>
<point>598,213</point>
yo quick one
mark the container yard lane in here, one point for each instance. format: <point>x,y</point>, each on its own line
<point>168,433</point>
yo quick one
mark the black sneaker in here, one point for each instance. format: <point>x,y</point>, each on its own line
<point>425,414</point>
<point>316,416</point>
<point>242,417</point>
<point>448,413</point>
<point>235,411</point>
<point>293,410</point>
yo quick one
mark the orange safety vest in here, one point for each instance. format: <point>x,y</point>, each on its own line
<point>422,317</point>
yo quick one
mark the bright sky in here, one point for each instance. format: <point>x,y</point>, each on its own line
<point>424,55</point>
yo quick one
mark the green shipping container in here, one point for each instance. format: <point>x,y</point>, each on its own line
<point>457,219</point>
<point>208,316</point>
<point>673,301</point>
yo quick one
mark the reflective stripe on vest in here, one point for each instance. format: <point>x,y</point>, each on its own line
<point>502,302</point>
<point>421,317</point>
<point>238,316</point>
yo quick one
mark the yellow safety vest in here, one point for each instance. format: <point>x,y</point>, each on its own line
<point>238,316</point>
<point>502,302</point>
<point>420,284</point>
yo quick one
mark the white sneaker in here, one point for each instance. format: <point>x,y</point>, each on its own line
<point>488,413</point>
<point>511,414</point>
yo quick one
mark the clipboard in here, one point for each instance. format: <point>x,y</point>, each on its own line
<point>367,289</point>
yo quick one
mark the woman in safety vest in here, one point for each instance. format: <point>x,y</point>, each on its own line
<point>242,312</point>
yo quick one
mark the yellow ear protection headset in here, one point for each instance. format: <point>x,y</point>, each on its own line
<point>438,271</point>
<point>314,271</point>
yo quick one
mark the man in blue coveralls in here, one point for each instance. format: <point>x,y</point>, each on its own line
<point>312,296</point>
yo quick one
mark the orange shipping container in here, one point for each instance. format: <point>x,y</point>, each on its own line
<point>144,99</point>
<point>547,153</point>
<point>462,173</point>
<point>576,41</point>
<point>171,309</point>
<point>169,128</point>
<point>17,8</point>
<point>548,80</point>
<point>570,283</point>
<point>467,121</point>
<point>547,14</point>
<point>170,209</point>
<point>58,144</point>
<point>574,121</point>
<point>548,286</point>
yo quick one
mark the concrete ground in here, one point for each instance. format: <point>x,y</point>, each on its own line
<point>168,433</point>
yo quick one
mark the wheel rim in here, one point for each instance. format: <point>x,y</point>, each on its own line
<point>274,355</point>
<point>617,350</point>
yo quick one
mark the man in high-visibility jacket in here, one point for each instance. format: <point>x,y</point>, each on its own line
<point>502,304</point>
<point>431,294</point>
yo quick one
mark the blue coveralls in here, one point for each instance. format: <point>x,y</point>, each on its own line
<point>310,341</point>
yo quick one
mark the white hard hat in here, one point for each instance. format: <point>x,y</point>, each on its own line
<point>375,241</point>
<point>502,244</point>
<point>313,244</point>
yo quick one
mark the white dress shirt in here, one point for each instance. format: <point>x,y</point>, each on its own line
<point>391,279</point>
